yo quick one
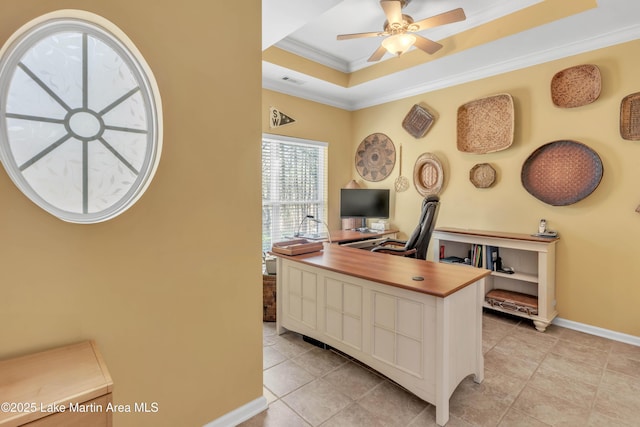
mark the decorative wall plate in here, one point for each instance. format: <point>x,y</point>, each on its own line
<point>427,175</point>
<point>375,157</point>
<point>561,173</point>
<point>576,86</point>
<point>418,121</point>
<point>630,117</point>
<point>486,125</point>
<point>482,175</point>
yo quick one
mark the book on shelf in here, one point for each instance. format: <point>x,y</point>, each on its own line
<point>475,255</point>
<point>493,258</point>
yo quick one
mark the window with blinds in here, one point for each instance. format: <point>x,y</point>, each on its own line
<point>294,185</point>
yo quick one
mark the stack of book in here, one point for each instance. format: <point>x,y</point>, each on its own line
<point>475,255</point>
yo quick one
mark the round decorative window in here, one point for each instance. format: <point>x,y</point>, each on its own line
<point>80,116</point>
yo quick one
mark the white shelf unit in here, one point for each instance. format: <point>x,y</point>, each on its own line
<point>532,259</point>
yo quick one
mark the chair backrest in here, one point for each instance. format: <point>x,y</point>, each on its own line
<point>431,206</point>
<point>412,241</point>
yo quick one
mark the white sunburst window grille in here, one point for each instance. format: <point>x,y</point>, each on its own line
<point>80,116</point>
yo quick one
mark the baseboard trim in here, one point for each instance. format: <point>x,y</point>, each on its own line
<point>594,330</point>
<point>240,414</point>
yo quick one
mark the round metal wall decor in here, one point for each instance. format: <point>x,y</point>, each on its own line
<point>375,157</point>
<point>561,173</point>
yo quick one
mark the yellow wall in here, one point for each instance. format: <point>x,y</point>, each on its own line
<point>596,272</point>
<point>597,267</point>
<point>170,290</point>
<point>317,122</point>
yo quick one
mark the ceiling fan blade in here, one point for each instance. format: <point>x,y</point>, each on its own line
<point>377,55</point>
<point>357,35</point>
<point>393,11</point>
<point>426,45</point>
<point>454,15</point>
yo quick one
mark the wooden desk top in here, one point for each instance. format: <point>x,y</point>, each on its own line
<point>440,279</point>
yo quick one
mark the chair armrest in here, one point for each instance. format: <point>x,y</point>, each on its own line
<point>392,242</point>
<point>394,250</point>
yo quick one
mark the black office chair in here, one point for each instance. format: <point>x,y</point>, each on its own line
<point>418,243</point>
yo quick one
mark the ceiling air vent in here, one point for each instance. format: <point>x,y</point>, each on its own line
<point>292,81</point>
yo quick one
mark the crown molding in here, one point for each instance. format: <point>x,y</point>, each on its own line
<point>350,102</point>
<point>308,52</point>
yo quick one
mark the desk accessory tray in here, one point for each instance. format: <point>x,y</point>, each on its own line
<point>296,247</point>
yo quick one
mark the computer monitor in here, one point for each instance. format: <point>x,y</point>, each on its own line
<point>364,203</point>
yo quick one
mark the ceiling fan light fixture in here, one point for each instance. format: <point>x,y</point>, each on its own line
<point>398,44</point>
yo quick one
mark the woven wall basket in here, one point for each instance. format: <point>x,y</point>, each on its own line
<point>375,157</point>
<point>576,86</point>
<point>630,117</point>
<point>428,176</point>
<point>561,173</point>
<point>482,175</point>
<point>418,121</point>
<point>486,125</point>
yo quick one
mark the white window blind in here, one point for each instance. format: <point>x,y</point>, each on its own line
<point>294,184</point>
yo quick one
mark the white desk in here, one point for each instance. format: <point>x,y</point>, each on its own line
<point>425,335</point>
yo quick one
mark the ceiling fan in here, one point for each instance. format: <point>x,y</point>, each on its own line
<point>399,30</point>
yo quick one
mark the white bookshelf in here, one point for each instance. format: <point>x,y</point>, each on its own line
<point>531,258</point>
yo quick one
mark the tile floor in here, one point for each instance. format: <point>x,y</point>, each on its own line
<point>532,379</point>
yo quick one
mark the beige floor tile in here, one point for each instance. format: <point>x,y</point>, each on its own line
<point>427,418</point>
<point>549,409</point>
<point>597,419</point>
<point>581,353</point>
<point>623,364</point>
<point>278,415</point>
<point>286,377</point>
<point>518,346</point>
<point>512,366</point>
<point>392,405</point>
<point>553,383</point>
<point>620,383</point>
<point>353,380</point>
<point>484,404</point>
<point>587,340</point>
<point>543,340</point>
<point>319,361</point>
<point>354,416</point>
<point>627,350</point>
<point>570,368</point>
<point>515,418</point>
<point>317,401</point>
<point>271,357</point>
<point>551,331</point>
<point>269,396</point>
<point>493,331</point>
<point>557,378</point>
<point>621,406</point>
<point>291,345</point>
